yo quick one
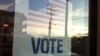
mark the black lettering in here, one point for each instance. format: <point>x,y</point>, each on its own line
<point>59,45</point>
<point>35,47</point>
<point>52,43</point>
<point>45,47</point>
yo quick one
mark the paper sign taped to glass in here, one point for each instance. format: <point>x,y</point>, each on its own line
<point>40,28</point>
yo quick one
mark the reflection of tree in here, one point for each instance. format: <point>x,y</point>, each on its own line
<point>79,45</point>
<point>18,23</point>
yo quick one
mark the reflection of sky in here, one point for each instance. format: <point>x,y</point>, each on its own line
<point>7,5</point>
<point>6,1</point>
<point>77,4</point>
<point>80,16</point>
<point>55,25</point>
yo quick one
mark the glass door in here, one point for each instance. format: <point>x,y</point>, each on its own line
<point>44,28</point>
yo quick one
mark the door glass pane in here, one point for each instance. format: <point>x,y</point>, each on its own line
<point>44,28</point>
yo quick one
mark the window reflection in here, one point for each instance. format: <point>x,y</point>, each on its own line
<point>79,29</point>
<point>79,23</point>
<point>80,18</point>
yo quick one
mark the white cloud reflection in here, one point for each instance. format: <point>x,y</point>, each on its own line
<point>81,12</point>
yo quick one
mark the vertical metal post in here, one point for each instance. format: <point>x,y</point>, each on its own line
<point>66,19</point>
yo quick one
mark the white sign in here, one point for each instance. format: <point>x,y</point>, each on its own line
<point>39,28</point>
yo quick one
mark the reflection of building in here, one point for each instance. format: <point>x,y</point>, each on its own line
<point>7,24</point>
<point>6,32</point>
